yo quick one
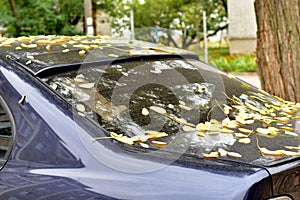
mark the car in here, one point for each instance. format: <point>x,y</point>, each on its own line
<point>94,117</point>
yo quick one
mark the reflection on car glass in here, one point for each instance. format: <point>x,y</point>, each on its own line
<point>148,103</point>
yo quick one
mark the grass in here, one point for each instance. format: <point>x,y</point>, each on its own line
<point>220,57</point>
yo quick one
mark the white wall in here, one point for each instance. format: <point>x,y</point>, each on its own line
<point>242,26</point>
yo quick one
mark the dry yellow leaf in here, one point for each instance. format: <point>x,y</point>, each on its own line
<point>156,71</point>
<point>121,138</point>
<point>87,85</point>
<point>287,128</point>
<point>245,140</point>
<point>81,53</point>
<point>158,109</point>
<point>240,135</point>
<point>155,134</point>
<point>222,152</point>
<point>144,145</point>
<point>201,89</point>
<point>292,147</point>
<point>211,155</point>
<point>244,130</point>
<point>230,123</point>
<point>65,50</point>
<point>188,129</point>
<point>203,127</point>
<point>214,121</point>
<point>234,154</point>
<point>125,140</point>
<point>291,153</point>
<point>145,112</point>
<point>227,109</point>
<point>201,134</point>
<point>268,152</point>
<point>291,133</point>
<point>226,130</point>
<point>80,107</point>
<point>54,86</point>
<point>282,119</point>
<point>159,143</point>
<point>184,107</point>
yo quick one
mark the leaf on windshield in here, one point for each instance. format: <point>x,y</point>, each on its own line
<point>291,133</point>
<point>244,130</point>
<point>155,134</point>
<point>268,152</point>
<point>81,53</point>
<point>87,85</point>
<point>211,155</point>
<point>144,145</point>
<point>227,109</point>
<point>268,131</point>
<point>292,148</point>
<point>156,71</point>
<point>122,138</point>
<point>245,140</point>
<point>240,135</point>
<point>201,134</point>
<point>230,123</point>
<point>65,50</point>
<point>222,152</point>
<point>226,130</point>
<point>145,112</point>
<point>234,154</point>
<point>188,129</point>
<point>158,109</point>
<point>159,143</point>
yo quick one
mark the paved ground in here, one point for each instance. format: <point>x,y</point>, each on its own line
<point>251,78</point>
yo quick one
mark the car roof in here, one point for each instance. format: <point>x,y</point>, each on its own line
<point>38,54</point>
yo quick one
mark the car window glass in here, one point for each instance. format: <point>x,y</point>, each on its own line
<point>146,104</point>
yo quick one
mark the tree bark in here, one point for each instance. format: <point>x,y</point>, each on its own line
<point>278,47</point>
<point>16,16</point>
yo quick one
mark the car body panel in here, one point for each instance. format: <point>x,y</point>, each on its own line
<point>49,159</point>
<point>42,157</point>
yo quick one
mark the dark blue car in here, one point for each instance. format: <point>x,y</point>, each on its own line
<point>100,118</point>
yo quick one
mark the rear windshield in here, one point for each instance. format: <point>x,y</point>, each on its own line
<point>184,106</point>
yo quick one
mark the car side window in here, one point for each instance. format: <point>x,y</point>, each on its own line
<point>6,133</point>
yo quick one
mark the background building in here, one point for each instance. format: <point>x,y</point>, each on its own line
<point>242,26</point>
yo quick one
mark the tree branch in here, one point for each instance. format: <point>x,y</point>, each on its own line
<point>215,32</point>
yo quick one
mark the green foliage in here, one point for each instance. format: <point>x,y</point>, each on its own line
<point>35,17</point>
<point>236,63</point>
<point>181,15</point>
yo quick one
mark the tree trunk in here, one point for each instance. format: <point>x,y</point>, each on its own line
<point>16,16</point>
<point>278,47</point>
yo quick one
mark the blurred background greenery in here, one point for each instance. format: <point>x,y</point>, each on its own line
<point>177,23</point>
